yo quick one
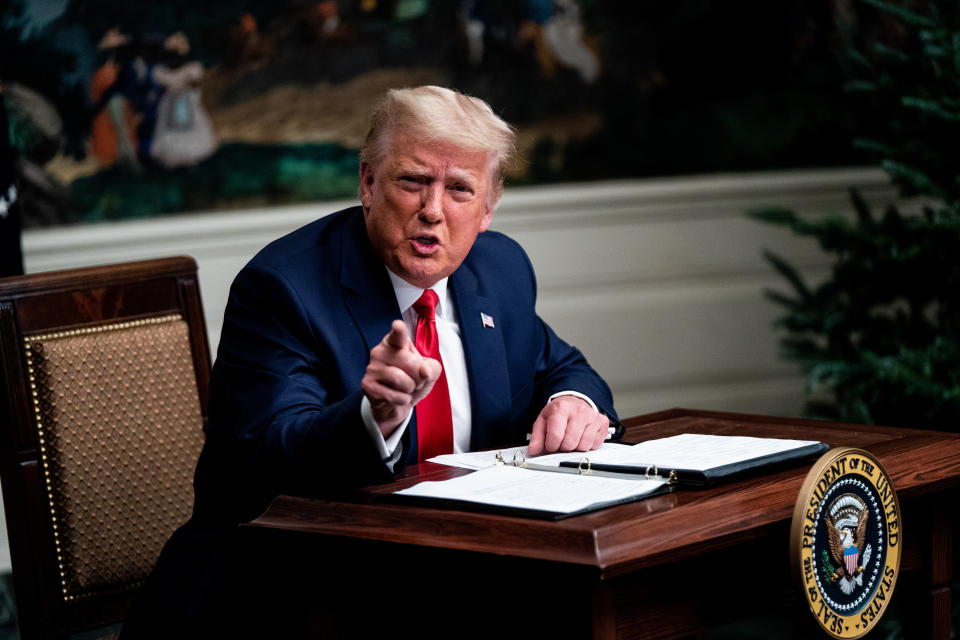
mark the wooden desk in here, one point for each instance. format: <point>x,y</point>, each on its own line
<point>668,566</point>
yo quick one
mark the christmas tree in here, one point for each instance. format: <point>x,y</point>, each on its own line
<point>879,339</point>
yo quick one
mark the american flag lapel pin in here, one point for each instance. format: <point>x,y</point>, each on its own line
<point>486,320</point>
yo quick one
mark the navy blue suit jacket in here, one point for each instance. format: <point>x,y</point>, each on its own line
<point>301,320</point>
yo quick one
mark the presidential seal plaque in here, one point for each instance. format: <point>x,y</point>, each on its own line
<point>845,541</point>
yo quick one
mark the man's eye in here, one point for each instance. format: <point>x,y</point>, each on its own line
<point>461,188</point>
<point>410,183</point>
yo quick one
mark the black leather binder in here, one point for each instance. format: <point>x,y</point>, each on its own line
<point>509,488</point>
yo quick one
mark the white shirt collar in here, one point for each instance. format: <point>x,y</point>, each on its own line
<point>407,293</point>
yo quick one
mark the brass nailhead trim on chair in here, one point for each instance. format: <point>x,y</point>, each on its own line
<point>37,411</point>
<point>106,327</point>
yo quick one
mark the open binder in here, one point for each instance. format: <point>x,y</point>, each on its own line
<point>601,479</point>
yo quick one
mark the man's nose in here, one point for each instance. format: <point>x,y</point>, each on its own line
<point>432,209</point>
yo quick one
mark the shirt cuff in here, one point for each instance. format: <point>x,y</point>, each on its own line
<point>575,394</point>
<point>387,447</point>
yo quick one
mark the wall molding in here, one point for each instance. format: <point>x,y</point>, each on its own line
<point>524,211</point>
<point>522,208</point>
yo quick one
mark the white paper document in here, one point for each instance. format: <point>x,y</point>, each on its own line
<point>696,452</point>
<point>484,459</point>
<point>515,487</point>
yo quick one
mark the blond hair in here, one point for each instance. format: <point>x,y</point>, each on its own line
<point>438,114</point>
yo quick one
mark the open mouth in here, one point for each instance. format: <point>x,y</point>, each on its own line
<point>425,245</point>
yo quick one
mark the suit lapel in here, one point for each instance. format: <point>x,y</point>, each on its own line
<point>369,297</point>
<point>486,359</point>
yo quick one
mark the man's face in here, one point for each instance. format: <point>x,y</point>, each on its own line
<point>424,205</point>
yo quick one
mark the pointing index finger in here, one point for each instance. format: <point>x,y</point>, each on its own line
<point>397,338</point>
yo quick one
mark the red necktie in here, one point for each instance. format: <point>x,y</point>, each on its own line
<point>434,422</point>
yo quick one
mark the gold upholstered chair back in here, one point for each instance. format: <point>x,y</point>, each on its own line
<point>103,386</point>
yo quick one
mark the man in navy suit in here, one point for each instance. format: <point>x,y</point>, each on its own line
<point>317,378</point>
<point>318,384</point>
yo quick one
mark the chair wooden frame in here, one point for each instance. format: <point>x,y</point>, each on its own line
<point>70,300</point>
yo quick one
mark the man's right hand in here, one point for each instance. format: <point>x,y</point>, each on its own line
<point>397,378</point>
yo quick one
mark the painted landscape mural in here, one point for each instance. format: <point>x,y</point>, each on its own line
<point>123,109</point>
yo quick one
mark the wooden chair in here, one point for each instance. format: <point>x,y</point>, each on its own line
<point>103,391</point>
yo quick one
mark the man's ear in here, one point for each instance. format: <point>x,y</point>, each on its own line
<point>487,218</point>
<point>493,199</point>
<point>366,184</point>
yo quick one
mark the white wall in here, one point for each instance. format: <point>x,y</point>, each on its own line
<point>658,281</point>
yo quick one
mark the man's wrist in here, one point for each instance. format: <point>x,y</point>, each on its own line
<point>575,394</point>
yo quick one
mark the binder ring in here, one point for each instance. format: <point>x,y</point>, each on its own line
<point>523,459</point>
<point>647,475</point>
<point>580,469</point>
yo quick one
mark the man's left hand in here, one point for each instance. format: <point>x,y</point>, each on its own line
<point>567,423</point>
